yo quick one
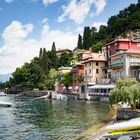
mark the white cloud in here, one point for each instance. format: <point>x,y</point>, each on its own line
<point>9,1</point>
<point>18,48</point>
<point>98,24</point>
<point>45,20</point>
<point>77,11</point>
<point>46,2</point>
<point>62,39</point>
<point>100,5</point>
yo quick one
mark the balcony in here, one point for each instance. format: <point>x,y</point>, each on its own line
<point>135,64</point>
<point>74,69</point>
<point>116,66</point>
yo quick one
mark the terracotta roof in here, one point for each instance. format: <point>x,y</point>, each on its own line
<point>77,64</point>
<point>63,50</point>
<point>101,60</point>
<point>125,40</point>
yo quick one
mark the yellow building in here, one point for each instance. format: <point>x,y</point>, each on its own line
<point>94,69</point>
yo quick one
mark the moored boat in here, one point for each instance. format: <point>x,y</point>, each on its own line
<point>5,104</point>
<point>133,124</point>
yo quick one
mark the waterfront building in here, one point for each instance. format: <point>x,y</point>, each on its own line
<point>77,72</point>
<point>100,91</point>
<point>125,64</point>
<point>94,72</point>
<point>94,68</point>
<point>122,44</point>
<point>59,87</point>
<point>61,51</point>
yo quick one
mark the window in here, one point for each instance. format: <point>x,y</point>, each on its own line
<point>86,72</point>
<point>97,71</point>
<point>89,71</point>
<point>115,44</point>
<point>134,73</point>
<point>97,64</point>
<point>90,64</point>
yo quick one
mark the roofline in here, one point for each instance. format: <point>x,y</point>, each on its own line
<point>124,40</point>
<point>94,60</point>
<point>126,52</point>
<point>62,50</point>
<point>77,65</point>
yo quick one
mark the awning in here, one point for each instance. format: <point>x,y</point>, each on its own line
<point>108,86</point>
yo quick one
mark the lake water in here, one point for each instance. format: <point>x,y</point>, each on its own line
<point>30,119</point>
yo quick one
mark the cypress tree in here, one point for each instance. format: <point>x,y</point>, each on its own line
<point>87,38</point>
<point>40,53</point>
<point>45,60</point>
<point>53,56</point>
<point>80,44</point>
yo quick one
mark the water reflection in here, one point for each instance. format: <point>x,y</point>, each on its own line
<point>31,119</point>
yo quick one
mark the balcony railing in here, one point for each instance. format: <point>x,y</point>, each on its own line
<point>116,66</point>
<point>135,64</point>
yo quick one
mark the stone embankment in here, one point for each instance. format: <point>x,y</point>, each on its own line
<point>38,93</point>
<point>127,114</point>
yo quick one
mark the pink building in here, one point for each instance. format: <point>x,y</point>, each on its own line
<point>78,71</point>
<point>120,45</point>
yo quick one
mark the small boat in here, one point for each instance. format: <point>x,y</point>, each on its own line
<point>62,97</point>
<point>126,128</point>
<point>133,124</point>
<point>5,104</point>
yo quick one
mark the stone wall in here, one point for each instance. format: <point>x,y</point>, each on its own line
<point>126,114</point>
<point>35,93</point>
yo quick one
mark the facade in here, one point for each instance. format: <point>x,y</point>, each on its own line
<point>120,45</point>
<point>94,69</point>
<point>100,91</point>
<point>84,54</point>
<point>125,64</point>
<point>59,87</point>
<point>60,51</point>
<point>78,72</point>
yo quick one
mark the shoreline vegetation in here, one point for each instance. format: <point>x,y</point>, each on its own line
<point>93,132</point>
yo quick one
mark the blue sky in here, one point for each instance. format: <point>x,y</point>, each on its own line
<point>27,25</point>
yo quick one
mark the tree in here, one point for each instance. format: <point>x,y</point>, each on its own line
<point>87,39</point>
<point>67,80</point>
<point>44,61</point>
<point>126,91</point>
<point>53,58</point>
<point>97,47</point>
<point>2,85</point>
<point>80,44</point>
<point>40,53</point>
<point>64,59</point>
<point>50,80</point>
<point>37,75</point>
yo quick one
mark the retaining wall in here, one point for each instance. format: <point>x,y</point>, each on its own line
<point>126,114</point>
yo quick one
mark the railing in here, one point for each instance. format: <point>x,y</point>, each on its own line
<point>133,64</point>
<point>117,65</point>
<point>99,94</point>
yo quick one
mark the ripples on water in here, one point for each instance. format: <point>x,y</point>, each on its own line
<point>30,119</point>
